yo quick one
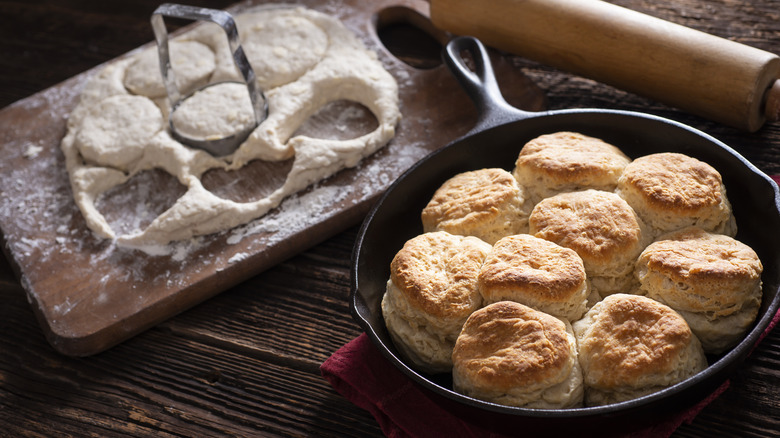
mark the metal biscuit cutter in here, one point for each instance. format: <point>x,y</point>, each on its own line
<point>218,146</point>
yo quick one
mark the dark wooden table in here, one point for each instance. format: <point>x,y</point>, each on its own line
<point>246,363</point>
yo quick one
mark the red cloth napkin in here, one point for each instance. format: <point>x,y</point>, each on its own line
<point>360,373</point>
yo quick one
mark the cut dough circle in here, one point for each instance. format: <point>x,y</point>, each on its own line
<point>192,64</point>
<point>215,112</point>
<point>117,129</point>
<point>282,48</point>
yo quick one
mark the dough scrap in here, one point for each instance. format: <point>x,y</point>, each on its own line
<point>310,60</point>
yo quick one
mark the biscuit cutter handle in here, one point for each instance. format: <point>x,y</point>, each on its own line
<point>228,24</point>
<point>703,74</point>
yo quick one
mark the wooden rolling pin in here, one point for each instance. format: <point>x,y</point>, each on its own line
<point>694,71</point>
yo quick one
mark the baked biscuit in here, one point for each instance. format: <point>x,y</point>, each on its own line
<point>431,291</point>
<point>631,346</point>
<point>513,355</point>
<point>537,273</point>
<point>671,191</point>
<point>567,162</point>
<point>601,228</point>
<point>485,203</point>
<point>712,280</point>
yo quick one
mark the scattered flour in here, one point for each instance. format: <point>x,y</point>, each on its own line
<point>238,257</point>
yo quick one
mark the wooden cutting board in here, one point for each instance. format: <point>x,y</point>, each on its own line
<point>89,294</point>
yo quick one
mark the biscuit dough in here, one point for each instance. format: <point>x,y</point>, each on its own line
<point>303,60</point>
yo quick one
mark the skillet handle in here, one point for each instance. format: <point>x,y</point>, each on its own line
<point>481,84</point>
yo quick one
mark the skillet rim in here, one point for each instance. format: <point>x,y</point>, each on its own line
<point>496,114</point>
<point>714,371</point>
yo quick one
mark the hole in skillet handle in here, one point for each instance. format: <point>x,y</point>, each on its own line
<point>480,84</point>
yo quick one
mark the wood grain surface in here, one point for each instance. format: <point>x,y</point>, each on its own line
<point>245,362</point>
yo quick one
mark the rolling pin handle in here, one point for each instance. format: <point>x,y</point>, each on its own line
<point>699,73</point>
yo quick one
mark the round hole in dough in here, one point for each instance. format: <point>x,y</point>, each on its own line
<point>215,112</point>
<point>131,206</point>
<point>192,64</point>
<point>282,48</point>
<point>116,130</point>
<point>254,181</point>
<point>339,120</point>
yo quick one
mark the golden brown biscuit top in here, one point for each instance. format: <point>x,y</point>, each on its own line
<point>437,272</point>
<point>718,266</point>
<point>570,156</point>
<point>673,181</point>
<point>509,345</point>
<point>633,336</point>
<point>540,269</point>
<point>471,197</point>
<point>597,225</point>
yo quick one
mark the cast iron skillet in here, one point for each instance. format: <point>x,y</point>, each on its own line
<point>495,142</point>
